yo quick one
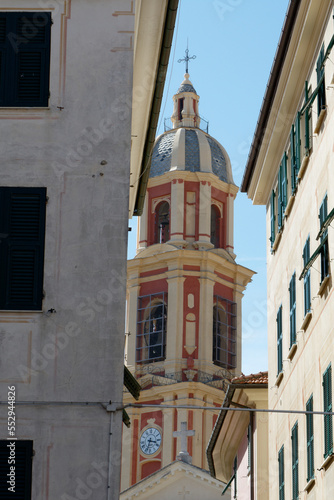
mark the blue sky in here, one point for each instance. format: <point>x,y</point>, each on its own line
<point>234,42</point>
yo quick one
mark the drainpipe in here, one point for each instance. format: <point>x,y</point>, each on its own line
<point>113,481</point>
<point>251,443</point>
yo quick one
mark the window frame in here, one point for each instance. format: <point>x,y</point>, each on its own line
<point>147,304</point>
<point>229,335</point>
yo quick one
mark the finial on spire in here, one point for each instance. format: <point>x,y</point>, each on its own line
<point>186,58</point>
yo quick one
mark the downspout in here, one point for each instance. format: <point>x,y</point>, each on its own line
<point>113,482</point>
<point>251,443</point>
<point>156,104</point>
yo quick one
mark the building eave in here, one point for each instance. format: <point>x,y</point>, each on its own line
<point>155,23</point>
<point>228,401</point>
<point>270,92</point>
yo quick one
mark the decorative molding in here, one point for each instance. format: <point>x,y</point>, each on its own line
<point>156,201</point>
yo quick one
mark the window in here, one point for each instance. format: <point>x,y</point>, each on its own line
<point>328,419</point>
<point>151,328</point>
<point>307,120</point>
<point>162,222</point>
<point>224,333</point>
<point>310,439</point>
<point>281,473</point>
<point>321,81</point>
<point>23,467</point>
<point>323,240</point>
<point>279,341</point>
<point>272,218</point>
<point>295,152</point>
<point>180,108</point>
<point>282,191</point>
<point>294,446</point>
<point>292,293</point>
<point>307,278</point>
<point>24,58</point>
<point>215,222</point>
<point>22,232</point>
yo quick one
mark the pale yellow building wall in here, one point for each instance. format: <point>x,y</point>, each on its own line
<point>303,373</point>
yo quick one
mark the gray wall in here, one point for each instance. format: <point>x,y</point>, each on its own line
<point>75,354</point>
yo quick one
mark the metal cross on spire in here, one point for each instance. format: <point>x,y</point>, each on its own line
<point>187,58</point>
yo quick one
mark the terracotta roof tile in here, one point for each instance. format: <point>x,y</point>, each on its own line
<point>257,378</point>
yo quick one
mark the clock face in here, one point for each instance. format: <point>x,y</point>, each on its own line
<point>150,441</point>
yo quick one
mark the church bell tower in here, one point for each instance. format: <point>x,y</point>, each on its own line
<point>184,296</point>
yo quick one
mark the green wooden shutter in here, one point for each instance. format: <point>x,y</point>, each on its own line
<point>279,341</point>
<point>23,470</point>
<point>293,160</point>
<point>307,121</point>
<point>297,144</point>
<point>320,75</point>
<point>292,293</point>
<point>294,446</point>
<point>328,419</point>
<point>279,198</point>
<point>310,439</point>
<point>322,216</point>
<point>307,278</point>
<point>281,473</point>
<point>272,218</point>
<point>323,239</point>
<point>284,182</point>
<point>22,225</point>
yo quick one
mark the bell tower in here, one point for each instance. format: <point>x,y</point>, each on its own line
<point>183,296</point>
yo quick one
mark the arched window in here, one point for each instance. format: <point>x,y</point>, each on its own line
<point>180,108</point>
<point>224,333</point>
<point>215,226</point>
<point>151,328</point>
<point>162,222</point>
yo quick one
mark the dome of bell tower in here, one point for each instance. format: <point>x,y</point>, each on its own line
<point>187,146</point>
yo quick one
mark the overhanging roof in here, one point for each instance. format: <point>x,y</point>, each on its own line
<point>270,92</point>
<point>155,20</point>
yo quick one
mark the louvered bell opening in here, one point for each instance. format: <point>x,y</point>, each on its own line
<point>29,84</point>
<point>25,217</point>
<point>32,28</point>
<point>23,470</point>
<point>23,264</point>
<point>2,29</point>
